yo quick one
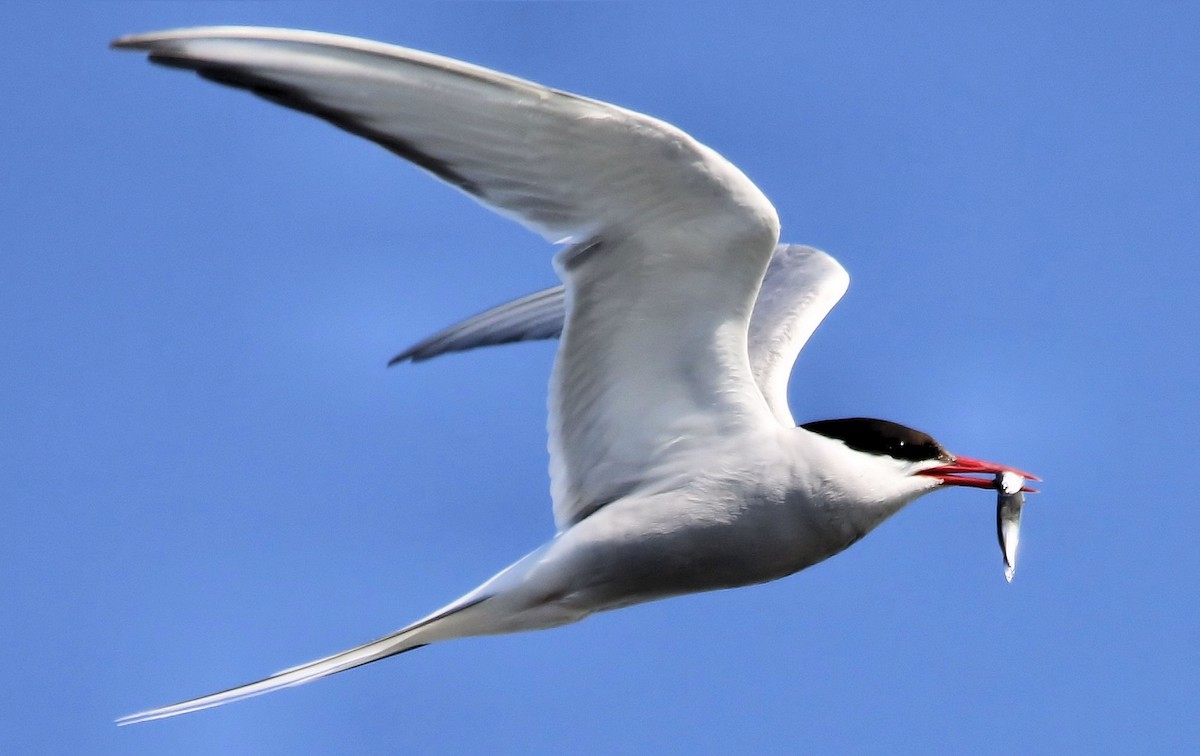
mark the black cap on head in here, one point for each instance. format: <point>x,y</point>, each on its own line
<point>873,436</point>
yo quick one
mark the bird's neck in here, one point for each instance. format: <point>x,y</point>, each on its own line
<point>851,492</point>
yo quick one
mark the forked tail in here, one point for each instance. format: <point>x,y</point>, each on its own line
<point>497,606</point>
<point>418,634</point>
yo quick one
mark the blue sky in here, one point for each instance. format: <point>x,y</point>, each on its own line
<point>209,475</point>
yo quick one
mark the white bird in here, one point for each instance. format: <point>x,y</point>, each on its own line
<point>675,464</point>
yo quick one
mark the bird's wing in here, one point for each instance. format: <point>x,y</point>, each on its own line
<point>536,154</point>
<point>801,286</point>
<point>672,240</point>
<point>532,317</point>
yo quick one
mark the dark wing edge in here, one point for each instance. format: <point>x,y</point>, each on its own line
<point>533,317</point>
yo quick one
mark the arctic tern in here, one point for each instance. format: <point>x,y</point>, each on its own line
<point>675,463</point>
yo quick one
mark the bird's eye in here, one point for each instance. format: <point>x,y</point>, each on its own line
<point>879,437</point>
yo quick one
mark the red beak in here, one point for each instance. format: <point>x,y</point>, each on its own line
<point>950,473</point>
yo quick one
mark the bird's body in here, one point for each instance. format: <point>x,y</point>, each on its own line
<point>676,466</point>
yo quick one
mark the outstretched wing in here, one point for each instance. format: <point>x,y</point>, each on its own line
<point>539,155</point>
<point>672,240</point>
<point>533,317</point>
<point>801,286</point>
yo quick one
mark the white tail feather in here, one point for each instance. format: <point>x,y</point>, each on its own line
<point>414,636</point>
<point>473,614</point>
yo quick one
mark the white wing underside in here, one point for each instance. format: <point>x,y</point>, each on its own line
<point>672,240</point>
<point>801,286</point>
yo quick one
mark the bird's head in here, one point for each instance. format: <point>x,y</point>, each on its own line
<point>912,453</point>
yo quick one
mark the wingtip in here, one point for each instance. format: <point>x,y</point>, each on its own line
<point>142,41</point>
<point>414,354</point>
<point>123,43</point>
<point>146,40</point>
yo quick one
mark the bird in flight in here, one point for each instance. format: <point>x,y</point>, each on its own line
<point>675,464</point>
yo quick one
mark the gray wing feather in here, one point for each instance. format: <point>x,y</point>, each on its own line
<point>533,317</point>
<point>799,289</point>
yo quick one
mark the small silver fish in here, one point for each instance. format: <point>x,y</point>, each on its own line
<point>1008,518</point>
